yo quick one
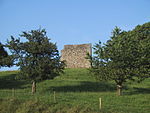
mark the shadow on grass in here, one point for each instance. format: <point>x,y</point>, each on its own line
<point>138,91</point>
<point>85,87</point>
<point>9,82</point>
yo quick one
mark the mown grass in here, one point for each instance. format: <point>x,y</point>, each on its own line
<point>76,92</point>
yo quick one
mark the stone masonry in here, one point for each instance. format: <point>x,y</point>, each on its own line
<point>74,55</point>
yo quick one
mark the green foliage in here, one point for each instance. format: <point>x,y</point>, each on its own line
<point>141,38</point>
<point>124,57</point>
<point>3,54</point>
<point>5,59</point>
<point>37,57</point>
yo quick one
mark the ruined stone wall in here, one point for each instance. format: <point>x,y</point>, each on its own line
<point>74,55</point>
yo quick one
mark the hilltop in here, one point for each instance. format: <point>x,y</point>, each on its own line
<point>76,91</point>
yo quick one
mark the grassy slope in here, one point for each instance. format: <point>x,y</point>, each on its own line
<point>76,91</point>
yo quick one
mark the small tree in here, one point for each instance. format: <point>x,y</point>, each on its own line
<point>5,59</point>
<point>37,57</point>
<point>123,57</point>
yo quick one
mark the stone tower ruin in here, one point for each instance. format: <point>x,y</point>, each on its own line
<point>75,55</point>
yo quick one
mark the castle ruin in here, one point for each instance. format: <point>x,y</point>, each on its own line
<point>75,55</point>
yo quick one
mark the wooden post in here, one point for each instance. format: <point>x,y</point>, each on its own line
<point>54,97</point>
<point>33,87</point>
<point>100,103</point>
<point>13,92</point>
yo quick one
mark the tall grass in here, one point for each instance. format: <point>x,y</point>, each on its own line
<point>76,92</point>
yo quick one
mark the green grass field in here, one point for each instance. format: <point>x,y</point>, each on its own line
<point>75,92</point>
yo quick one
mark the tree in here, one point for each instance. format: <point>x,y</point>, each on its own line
<point>5,59</point>
<point>141,36</point>
<point>37,57</point>
<point>124,57</point>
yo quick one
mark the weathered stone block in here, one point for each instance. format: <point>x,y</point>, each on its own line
<point>75,55</point>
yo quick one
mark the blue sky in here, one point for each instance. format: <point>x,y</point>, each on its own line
<point>71,21</point>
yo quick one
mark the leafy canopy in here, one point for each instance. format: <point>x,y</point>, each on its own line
<point>37,57</point>
<point>125,56</point>
<point>5,59</point>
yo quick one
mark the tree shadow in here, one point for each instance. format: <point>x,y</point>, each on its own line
<point>137,90</point>
<point>85,86</point>
<point>10,81</point>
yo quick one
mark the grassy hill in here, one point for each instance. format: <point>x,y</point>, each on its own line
<point>75,92</point>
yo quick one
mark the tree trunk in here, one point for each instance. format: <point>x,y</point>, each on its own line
<point>33,87</point>
<point>119,90</point>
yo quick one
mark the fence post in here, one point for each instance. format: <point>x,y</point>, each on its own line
<point>13,92</point>
<point>54,97</point>
<point>100,103</point>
